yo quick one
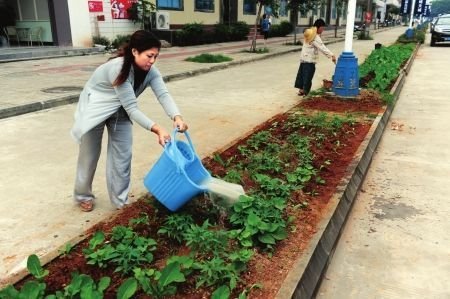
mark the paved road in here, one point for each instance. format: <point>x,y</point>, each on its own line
<point>38,157</point>
<point>396,243</point>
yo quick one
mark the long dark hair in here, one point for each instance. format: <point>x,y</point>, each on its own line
<point>141,40</point>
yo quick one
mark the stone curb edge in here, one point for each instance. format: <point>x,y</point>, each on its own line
<point>26,56</point>
<point>304,278</point>
<point>69,99</point>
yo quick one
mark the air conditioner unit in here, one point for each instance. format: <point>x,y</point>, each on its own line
<point>162,20</point>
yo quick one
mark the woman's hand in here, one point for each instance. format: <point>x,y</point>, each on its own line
<point>163,135</point>
<point>179,123</point>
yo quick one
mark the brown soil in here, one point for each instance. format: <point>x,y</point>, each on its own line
<point>268,271</point>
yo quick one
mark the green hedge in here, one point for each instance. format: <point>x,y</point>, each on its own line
<point>196,34</point>
<point>282,29</point>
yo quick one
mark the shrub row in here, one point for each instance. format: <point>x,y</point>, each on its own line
<point>197,34</point>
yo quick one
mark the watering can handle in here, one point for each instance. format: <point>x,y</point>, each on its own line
<point>176,151</point>
<point>188,137</point>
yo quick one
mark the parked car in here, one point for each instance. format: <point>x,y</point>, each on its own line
<point>440,30</point>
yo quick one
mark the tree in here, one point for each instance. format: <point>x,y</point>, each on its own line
<point>140,12</point>
<point>275,5</point>
<point>440,7</point>
<point>340,4</point>
<point>393,10</point>
<point>302,6</point>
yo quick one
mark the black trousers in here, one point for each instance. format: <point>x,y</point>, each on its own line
<point>305,75</point>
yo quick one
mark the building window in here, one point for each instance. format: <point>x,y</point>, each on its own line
<point>31,10</point>
<point>204,5</point>
<point>169,4</point>
<point>249,7</point>
<point>283,8</point>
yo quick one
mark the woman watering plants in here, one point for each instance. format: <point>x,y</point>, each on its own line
<point>109,99</point>
<point>312,44</point>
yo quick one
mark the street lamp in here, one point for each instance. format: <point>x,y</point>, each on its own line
<point>346,75</point>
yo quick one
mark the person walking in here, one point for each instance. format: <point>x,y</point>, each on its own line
<point>109,99</point>
<point>312,45</point>
<point>265,26</point>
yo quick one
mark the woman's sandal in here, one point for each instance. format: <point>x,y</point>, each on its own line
<point>301,93</point>
<point>87,206</point>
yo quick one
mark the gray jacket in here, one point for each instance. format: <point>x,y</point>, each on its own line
<point>100,99</point>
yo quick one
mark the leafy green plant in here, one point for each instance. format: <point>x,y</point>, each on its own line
<point>301,146</point>
<point>204,240</point>
<point>271,187</point>
<point>140,12</point>
<point>239,30</point>
<point>176,225</point>
<point>223,292</point>
<point>262,50</point>
<point>258,140</point>
<point>120,40</point>
<point>125,249</point>
<point>127,289</point>
<point>385,64</point>
<point>209,58</point>
<point>218,159</point>
<point>142,220</point>
<point>32,289</point>
<point>317,92</point>
<point>158,284</point>
<point>65,251</point>
<point>101,40</point>
<point>301,176</point>
<point>233,176</point>
<point>190,34</point>
<point>265,162</point>
<point>259,221</point>
<point>216,271</point>
<point>35,268</point>
<point>83,286</point>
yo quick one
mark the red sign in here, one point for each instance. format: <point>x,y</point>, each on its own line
<point>95,6</point>
<point>119,8</point>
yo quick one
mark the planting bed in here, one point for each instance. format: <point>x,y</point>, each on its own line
<point>292,163</point>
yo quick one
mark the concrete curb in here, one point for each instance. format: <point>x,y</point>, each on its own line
<point>49,54</point>
<point>37,106</point>
<point>69,99</point>
<point>304,278</point>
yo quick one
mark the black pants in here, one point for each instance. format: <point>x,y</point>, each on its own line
<point>305,75</point>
